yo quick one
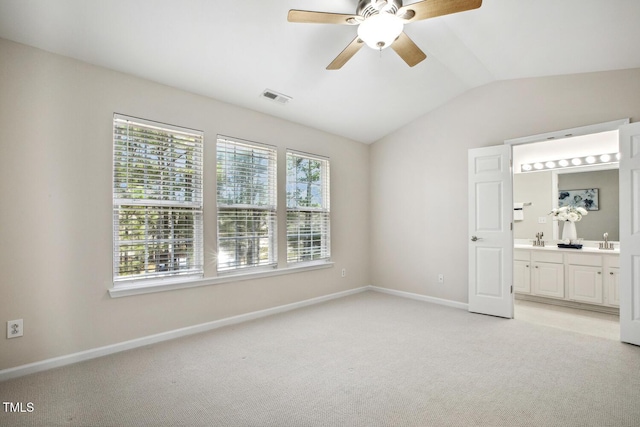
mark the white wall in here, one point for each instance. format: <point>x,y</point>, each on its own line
<point>56,217</point>
<point>419,173</point>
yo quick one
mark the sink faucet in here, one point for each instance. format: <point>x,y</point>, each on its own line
<point>606,244</point>
<point>539,241</point>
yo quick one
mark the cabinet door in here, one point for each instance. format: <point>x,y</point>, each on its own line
<point>611,278</point>
<point>548,279</point>
<point>585,284</point>
<point>521,277</point>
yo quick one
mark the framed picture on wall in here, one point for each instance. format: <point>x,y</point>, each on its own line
<point>585,198</point>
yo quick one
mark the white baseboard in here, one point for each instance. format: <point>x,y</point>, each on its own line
<point>82,356</point>
<point>93,353</point>
<point>425,298</point>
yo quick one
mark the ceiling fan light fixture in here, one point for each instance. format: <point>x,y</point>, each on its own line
<point>380,30</point>
<point>381,24</point>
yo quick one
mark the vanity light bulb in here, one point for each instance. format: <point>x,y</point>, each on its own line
<point>526,167</point>
<point>550,165</point>
<point>576,162</point>
<point>563,163</point>
<point>591,160</point>
<point>605,158</point>
<point>538,166</point>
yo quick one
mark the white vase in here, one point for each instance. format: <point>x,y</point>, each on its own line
<point>569,231</point>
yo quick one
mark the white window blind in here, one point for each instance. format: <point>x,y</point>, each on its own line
<point>308,207</point>
<point>157,201</point>
<point>247,204</point>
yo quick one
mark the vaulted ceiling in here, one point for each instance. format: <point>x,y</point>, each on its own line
<point>232,50</point>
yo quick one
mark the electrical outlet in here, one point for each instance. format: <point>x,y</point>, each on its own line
<point>344,272</point>
<point>15,328</point>
<point>440,278</point>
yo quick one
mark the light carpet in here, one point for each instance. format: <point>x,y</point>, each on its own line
<point>369,359</point>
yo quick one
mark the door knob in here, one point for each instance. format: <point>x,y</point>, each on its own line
<point>475,238</point>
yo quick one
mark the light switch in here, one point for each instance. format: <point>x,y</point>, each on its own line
<point>542,220</point>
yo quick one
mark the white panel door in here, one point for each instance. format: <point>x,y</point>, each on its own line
<point>630,233</point>
<point>490,235</point>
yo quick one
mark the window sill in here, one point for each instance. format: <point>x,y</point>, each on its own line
<point>124,291</point>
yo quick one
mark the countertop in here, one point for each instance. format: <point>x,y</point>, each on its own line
<point>554,247</point>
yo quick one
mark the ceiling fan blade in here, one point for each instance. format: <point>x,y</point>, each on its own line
<point>408,50</point>
<point>346,54</point>
<point>309,17</point>
<point>431,8</point>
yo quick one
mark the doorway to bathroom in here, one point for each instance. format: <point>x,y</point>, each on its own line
<point>574,287</point>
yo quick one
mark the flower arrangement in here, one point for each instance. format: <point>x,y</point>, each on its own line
<point>568,213</point>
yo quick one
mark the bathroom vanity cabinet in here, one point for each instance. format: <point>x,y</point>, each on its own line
<point>582,276</point>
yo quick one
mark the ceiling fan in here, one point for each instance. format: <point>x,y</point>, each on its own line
<point>381,24</point>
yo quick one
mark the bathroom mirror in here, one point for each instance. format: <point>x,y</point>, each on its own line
<point>541,190</point>
<point>539,173</point>
<point>606,219</point>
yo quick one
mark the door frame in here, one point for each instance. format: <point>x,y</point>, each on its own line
<point>566,133</point>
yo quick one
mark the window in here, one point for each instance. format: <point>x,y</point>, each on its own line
<point>247,204</point>
<point>157,201</point>
<point>308,231</point>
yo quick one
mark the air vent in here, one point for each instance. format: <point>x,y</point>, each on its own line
<point>274,96</point>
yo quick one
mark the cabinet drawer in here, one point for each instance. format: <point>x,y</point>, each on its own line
<point>582,259</point>
<point>521,255</point>
<point>613,261</point>
<point>555,257</point>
